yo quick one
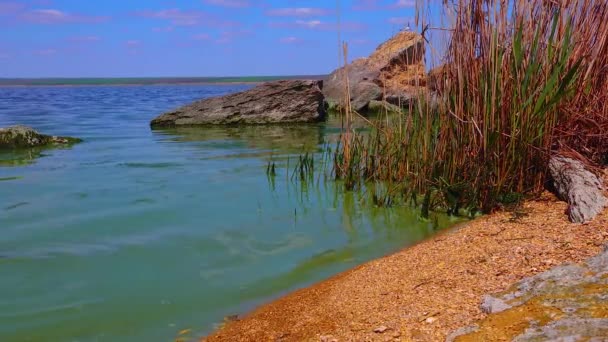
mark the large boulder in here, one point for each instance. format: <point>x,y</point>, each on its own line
<point>394,72</point>
<point>24,137</point>
<point>273,102</point>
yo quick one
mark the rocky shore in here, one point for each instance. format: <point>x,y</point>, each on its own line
<point>390,79</point>
<point>431,290</point>
<point>566,303</point>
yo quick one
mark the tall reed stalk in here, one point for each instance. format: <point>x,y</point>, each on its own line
<point>522,79</point>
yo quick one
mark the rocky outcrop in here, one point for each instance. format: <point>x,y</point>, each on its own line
<point>581,188</point>
<point>268,103</point>
<point>23,137</point>
<point>566,303</point>
<point>394,72</point>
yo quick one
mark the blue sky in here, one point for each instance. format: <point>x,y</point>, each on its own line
<point>122,38</point>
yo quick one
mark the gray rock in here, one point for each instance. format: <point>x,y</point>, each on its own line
<point>24,137</point>
<point>389,73</point>
<point>361,85</point>
<point>579,293</point>
<point>273,102</point>
<point>568,329</point>
<point>461,332</point>
<point>599,263</point>
<point>491,304</point>
<point>578,186</point>
<point>362,93</point>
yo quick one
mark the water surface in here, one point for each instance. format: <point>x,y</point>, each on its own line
<point>136,234</point>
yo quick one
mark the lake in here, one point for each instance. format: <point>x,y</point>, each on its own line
<point>135,235</point>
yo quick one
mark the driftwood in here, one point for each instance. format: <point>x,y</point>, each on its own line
<point>581,188</point>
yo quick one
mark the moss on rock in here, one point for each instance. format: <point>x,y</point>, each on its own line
<point>26,137</point>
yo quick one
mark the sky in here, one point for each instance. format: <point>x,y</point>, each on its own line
<point>156,38</point>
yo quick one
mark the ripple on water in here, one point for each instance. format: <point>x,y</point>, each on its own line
<point>292,241</point>
<point>6,179</point>
<point>144,201</point>
<point>151,165</point>
<point>107,245</point>
<point>54,309</point>
<point>16,205</point>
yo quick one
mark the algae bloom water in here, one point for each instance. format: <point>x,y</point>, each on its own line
<point>135,235</point>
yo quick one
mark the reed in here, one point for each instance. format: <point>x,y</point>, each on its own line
<point>305,168</point>
<point>522,79</point>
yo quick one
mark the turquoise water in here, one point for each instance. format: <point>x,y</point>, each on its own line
<point>135,234</point>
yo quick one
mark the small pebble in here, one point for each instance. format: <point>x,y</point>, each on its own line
<point>380,329</point>
<point>430,320</point>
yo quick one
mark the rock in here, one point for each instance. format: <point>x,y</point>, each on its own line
<point>268,103</point>
<point>362,93</point>
<point>24,137</point>
<point>431,320</point>
<point>231,318</point>
<point>327,338</point>
<point>566,303</point>
<point>581,188</point>
<point>394,72</point>
<point>461,332</point>
<point>361,84</point>
<point>381,329</point>
<point>492,304</point>
<point>587,329</point>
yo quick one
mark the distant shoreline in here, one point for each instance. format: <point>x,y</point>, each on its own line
<point>2,85</point>
<point>76,82</point>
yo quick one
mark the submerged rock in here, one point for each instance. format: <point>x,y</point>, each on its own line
<point>273,102</point>
<point>23,137</point>
<point>394,72</point>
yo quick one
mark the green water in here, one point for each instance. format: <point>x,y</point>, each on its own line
<point>136,234</point>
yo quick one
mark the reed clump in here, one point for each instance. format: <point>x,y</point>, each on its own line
<point>522,79</point>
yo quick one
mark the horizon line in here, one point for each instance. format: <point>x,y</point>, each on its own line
<point>151,77</point>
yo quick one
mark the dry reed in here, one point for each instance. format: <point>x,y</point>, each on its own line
<point>522,79</point>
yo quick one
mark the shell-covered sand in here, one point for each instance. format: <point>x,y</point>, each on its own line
<point>424,292</point>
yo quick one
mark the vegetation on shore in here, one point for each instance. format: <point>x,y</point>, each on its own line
<point>522,80</point>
